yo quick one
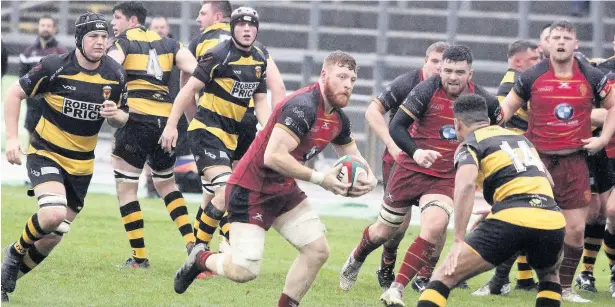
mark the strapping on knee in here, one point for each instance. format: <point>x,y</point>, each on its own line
<point>303,230</point>
<point>126,176</point>
<point>248,254</point>
<point>448,208</point>
<point>391,218</point>
<point>219,181</point>
<point>159,176</point>
<point>52,200</point>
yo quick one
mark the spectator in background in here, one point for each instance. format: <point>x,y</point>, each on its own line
<point>44,45</point>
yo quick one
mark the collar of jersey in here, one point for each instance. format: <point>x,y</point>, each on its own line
<point>220,25</point>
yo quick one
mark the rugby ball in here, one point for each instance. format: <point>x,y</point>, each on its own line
<point>352,168</point>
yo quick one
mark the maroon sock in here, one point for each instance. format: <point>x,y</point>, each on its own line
<point>572,256</point>
<point>427,269</point>
<point>287,301</point>
<point>365,247</point>
<point>417,255</point>
<point>201,258</point>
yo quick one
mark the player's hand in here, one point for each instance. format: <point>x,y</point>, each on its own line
<point>13,151</point>
<point>394,150</point>
<point>450,265</point>
<point>110,110</point>
<point>594,144</point>
<point>426,158</point>
<point>363,185</point>
<point>168,139</point>
<point>332,183</point>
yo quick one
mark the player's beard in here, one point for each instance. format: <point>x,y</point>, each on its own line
<point>461,87</point>
<point>336,99</point>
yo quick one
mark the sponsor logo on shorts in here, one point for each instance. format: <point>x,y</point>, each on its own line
<point>81,109</point>
<point>49,170</point>
<point>243,90</point>
<point>389,196</point>
<point>35,172</point>
<point>209,154</point>
<point>69,87</point>
<point>258,216</point>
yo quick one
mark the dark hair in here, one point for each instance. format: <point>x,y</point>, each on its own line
<point>437,47</point>
<point>132,8</point>
<point>457,53</point>
<point>547,26</point>
<point>471,109</point>
<point>563,24</point>
<point>520,46</point>
<point>221,6</point>
<point>342,59</point>
<point>46,16</point>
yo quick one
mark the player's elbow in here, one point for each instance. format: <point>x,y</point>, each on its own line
<point>464,187</point>
<point>271,160</point>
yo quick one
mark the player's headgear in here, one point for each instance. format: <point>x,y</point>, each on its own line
<point>85,24</point>
<point>243,14</point>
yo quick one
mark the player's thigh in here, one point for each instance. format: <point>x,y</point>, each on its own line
<point>436,210</point>
<point>398,198</point>
<point>301,226</point>
<point>132,144</point>
<point>544,249</point>
<point>571,177</point>
<point>247,246</point>
<point>496,241</point>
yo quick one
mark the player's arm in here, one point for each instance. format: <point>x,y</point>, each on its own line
<point>275,82</point>
<point>285,137</point>
<point>262,108</point>
<point>186,62</point>
<point>517,97</point>
<point>116,51</point>
<point>605,90</point>
<point>466,163</point>
<point>34,82</point>
<point>413,107</point>
<point>344,144</point>
<point>598,116</point>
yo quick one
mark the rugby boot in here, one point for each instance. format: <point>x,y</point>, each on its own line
<point>586,282</point>
<point>10,269</point>
<point>188,272</point>
<point>350,272</point>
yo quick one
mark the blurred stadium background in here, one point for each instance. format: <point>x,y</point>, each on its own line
<point>387,37</point>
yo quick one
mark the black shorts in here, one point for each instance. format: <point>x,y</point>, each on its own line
<point>34,111</point>
<point>208,150</point>
<point>496,241</point>
<point>182,148</point>
<point>42,169</point>
<point>601,172</point>
<point>137,143</point>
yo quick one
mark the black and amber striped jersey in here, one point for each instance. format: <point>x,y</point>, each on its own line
<point>232,77</point>
<point>214,35</point>
<point>72,98</point>
<point>515,180</point>
<point>518,122</point>
<point>148,64</point>
<point>607,66</point>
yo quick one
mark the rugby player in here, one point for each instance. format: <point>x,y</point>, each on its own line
<point>522,55</point>
<point>524,215</point>
<point>263,191</point>
<point>213,20</point>
<point>79,90</point>
<point>389,101</point>
<point>148,60</point>
<point>231,81</point>
<point>424,131</point>
<point>564,90</point>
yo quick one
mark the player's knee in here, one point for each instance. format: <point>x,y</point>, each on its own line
<point>216,185</point>
<point>122,176</point>
<point>438,211</point>
<point>247,254</point>
<point>318,251</point>
<point>242,275</point>
<point>164,181</point>
<point>52,210</point>
<point>389,220</point>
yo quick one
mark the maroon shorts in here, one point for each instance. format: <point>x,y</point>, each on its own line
<point>571,177</point>
<point>386,171</point>
<point>247,206</point>
<point>405,187</point>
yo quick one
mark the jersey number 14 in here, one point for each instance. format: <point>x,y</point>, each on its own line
<point>523,157</point>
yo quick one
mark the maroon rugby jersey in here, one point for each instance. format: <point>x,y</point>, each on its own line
<point>434,127</point>
<point>393,96</point>
<point>560,115</point>
<point>609,86</point>
<point>303,115</point>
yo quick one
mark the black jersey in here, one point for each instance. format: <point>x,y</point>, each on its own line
<point>73,97</point>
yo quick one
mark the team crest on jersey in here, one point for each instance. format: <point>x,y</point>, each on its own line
<point>583,89</point>
<point>81,109</point>
<point>258,71</point>
<point>243,90</point>
<point>106,92</point>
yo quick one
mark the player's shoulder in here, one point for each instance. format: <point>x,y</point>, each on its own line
<point>607,65</point>
<point>113,68</point>
<point>537,70</point>
<point>427,87</point>
<point>483,92</point>
<point>217,53</point>
<point>259,53</point>
<point>509,76</point>
<point>408,79</point>
<point>592,73</point>
<point>53,62</point>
